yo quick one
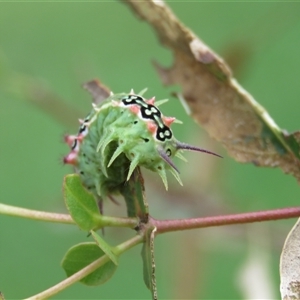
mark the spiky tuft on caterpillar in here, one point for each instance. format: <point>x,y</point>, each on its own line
<point>120,133</point>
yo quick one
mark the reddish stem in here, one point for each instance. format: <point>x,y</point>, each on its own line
<point>259,216</point>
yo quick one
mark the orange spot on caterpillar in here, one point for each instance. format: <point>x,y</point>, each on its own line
<point>168,120</point>
<point>135,109</point>
<point>69,139</point>
<point>71,158</point>
<point>151,126</point>
<point>151,101</point>
<point>80,137</point>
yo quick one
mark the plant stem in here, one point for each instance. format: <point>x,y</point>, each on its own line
<point>118,250</point>
<point>85,271</point>
<point>62,218</point>
<point>35,214</point>
<point>164,226</point>
<point>107,221</point>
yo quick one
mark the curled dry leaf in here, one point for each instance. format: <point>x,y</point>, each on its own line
<point>290,265</point>
<point>215,99</point>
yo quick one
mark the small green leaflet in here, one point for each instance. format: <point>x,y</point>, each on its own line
<point>80,203</point>
<point>82,255</point>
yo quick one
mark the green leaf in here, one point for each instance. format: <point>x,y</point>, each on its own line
<point>105,247</point>
<point>81,255</point>
<point>81,204</point>
<point>149,262</point>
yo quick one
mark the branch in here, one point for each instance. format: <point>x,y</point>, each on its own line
<point>35,214</point>
<point>164,226</point>
<point>106,221</point>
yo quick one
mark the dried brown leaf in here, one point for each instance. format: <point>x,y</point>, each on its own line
<point>215,99</point>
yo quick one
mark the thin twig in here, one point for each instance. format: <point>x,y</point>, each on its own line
<point>35,214</point>
<point>164,226</point>
<point>106,221</point>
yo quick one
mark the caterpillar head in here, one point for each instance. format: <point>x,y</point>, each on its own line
<point>143,134</point>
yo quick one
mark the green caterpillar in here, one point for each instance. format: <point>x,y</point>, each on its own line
<point>121,133</point>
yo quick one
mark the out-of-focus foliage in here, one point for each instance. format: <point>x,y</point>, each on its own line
<point>62,45</point>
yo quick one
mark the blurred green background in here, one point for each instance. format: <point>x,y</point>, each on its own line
<point>47,50</point>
